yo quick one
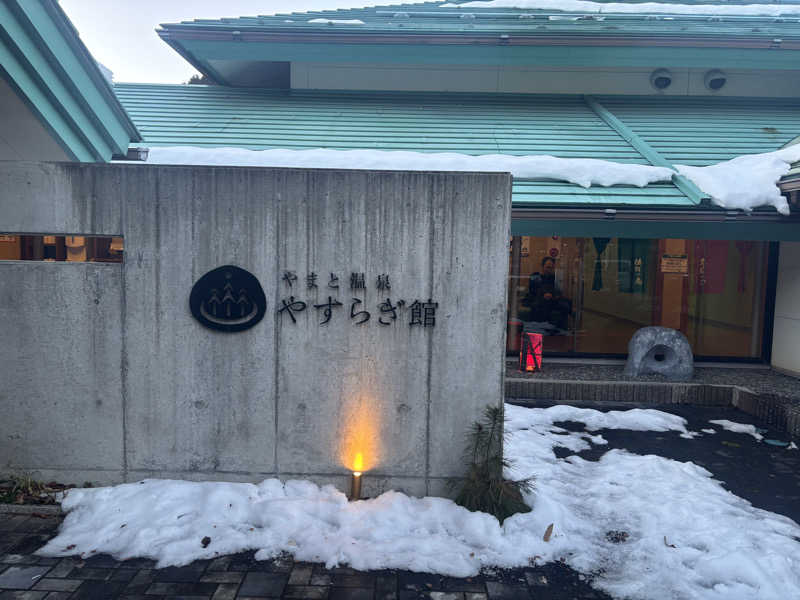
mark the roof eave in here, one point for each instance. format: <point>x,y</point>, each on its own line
<point>360,35</point>
<point>103,86</point>
<point>54,74</point>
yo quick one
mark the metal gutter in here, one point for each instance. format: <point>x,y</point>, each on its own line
<point>682,183</point>
<point>655,223</point>
<point>461,38</point>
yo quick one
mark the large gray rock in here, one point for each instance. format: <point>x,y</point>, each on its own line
<point>660,350</point>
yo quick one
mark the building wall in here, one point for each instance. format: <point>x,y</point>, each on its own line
<point>532,80</point>
<point>108,377</point>
<point>22,136</point>
<point>786,336</point>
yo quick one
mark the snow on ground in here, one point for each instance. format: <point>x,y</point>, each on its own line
<point>742,183</point>
<point>635,419</point>
<point>738,428</point>
<point>687,537</point>
<point>583,6</point>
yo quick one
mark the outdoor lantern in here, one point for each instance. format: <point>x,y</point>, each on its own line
<point>530,356</point>
<point>355,482</point>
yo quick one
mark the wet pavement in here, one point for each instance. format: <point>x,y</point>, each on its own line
<point>767,476</point>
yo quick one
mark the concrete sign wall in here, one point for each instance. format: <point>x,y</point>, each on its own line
<point>381,341</point>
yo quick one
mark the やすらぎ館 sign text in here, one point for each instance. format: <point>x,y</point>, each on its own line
<point>231,299</point>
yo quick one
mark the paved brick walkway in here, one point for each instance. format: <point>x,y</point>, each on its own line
<point>24,576</point>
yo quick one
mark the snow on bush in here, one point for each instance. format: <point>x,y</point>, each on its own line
<point>687,537</point>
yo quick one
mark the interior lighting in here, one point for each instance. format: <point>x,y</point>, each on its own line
<point>661,79</point>
<point>715,80</point>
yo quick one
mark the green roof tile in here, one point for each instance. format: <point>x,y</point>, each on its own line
<point>702,131</point>
<point>713,129</point>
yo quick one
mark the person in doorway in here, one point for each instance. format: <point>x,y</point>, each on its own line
<point>545,299</point>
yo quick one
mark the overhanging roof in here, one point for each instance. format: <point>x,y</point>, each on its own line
<point>684,130</point>
<point>49,68</point>
<point>432,33</point>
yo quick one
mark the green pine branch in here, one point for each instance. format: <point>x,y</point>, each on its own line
<point>484,488</point>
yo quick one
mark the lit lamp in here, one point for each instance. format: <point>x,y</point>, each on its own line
<point>355,482</point>
<point>530,356</point>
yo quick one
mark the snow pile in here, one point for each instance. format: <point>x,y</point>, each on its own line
<point>746,181</point>
<point>739,428</point>
<point>337,21</point>
<point>686,536</point>
<point>742,183</point>
<point>771,10</point>
<point>582,171</point>
<point>635,419</point>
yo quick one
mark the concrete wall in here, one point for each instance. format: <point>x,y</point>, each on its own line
<point>536,80</point>
<point>120,382</point>
<point>786,335</point>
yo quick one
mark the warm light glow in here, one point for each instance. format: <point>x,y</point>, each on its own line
<point>359,443</point>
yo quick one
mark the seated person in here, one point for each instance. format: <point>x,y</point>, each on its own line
<point>547,304</point>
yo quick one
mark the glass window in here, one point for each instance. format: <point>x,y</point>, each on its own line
<point>588,296</point>
<point>69,248</point>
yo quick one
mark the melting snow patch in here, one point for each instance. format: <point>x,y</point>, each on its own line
<point>739,428</point>
<point>677,532</point>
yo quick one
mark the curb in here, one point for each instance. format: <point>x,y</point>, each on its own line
<point>29,509</point>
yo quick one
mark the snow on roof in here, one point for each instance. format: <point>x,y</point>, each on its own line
<point>771,10</point>
<point>336,21</point>
<point>744,183</point>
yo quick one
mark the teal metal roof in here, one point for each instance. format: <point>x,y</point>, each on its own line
<point>44,61</point>
<point>433,33</point>
<point>702,131</point>
<point>564,126</point>
<point>439,17</point>
<point>422,122</point>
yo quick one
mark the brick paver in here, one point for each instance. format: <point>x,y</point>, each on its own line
<point>25,576</point>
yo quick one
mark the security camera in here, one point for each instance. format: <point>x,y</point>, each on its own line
<point>715,80</point>
<point>661,79</point>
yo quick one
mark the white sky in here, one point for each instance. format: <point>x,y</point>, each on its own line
<point>121,33</point>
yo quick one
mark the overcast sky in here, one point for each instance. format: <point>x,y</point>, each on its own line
<point>121,33</point>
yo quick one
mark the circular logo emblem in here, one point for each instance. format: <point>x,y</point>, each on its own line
<point>228,299</point>
<point>553,252</point>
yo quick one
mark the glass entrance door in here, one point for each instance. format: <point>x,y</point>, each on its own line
<point>587,296</point>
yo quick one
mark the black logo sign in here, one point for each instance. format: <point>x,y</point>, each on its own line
<point>228,299</point>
